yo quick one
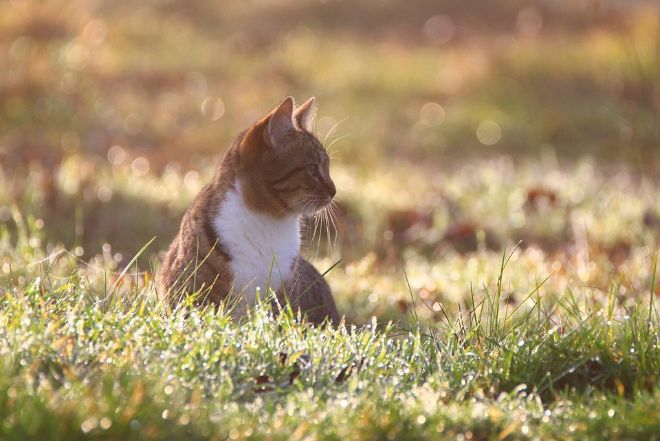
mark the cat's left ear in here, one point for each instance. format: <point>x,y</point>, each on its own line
<point>305,114</point>
<point>280,124</point>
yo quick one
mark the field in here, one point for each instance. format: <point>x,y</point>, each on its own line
<point>494,252</point>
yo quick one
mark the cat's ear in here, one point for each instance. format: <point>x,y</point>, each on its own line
<point>305,114</point>
<point>270,132</point>
<point>280,125</point>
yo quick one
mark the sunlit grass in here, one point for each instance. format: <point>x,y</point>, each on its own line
<point>80,359</point>
<point>562,342</point>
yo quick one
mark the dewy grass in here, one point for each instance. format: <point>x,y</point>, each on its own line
<point>76,366</point>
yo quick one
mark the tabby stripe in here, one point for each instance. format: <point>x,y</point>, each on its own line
<point>291,189</point>
<point>214,240</point>
<point>287,176</point>
<point>281,201</point>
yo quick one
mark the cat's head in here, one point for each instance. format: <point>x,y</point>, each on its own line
<point>283,168</point>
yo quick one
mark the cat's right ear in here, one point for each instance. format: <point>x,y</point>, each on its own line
<point>272,131</point>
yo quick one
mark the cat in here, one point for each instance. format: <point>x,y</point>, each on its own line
<point>242,232</point>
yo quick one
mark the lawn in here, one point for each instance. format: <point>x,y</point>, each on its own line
<point>494,252</point>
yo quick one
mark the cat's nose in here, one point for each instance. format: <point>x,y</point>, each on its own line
<point>332,191</point>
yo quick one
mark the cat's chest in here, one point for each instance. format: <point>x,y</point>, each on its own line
<point>262,249</point>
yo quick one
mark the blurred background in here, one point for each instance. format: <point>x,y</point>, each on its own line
<point>457,128</point>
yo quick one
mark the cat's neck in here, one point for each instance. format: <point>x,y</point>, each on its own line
<point>262,249</point>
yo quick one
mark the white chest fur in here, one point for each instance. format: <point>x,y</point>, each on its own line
<point>262,248</point>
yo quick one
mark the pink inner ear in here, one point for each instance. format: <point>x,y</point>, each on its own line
<point>305,114</point>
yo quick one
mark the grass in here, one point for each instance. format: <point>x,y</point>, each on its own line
<point>499,223</point>
<point>81,361</point>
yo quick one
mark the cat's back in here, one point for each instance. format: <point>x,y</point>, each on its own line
<point>196,260</point>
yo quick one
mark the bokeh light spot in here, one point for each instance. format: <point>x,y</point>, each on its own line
<point>439,29</point>
<point>105,423</point>
<point>140,166</point>
<point>104,193</point>
<point>191,180</point>
<point>116,155</point>
<point>432,114</point>
<point>77,57</point>
<point>489,132</point>
<point>213,108</point>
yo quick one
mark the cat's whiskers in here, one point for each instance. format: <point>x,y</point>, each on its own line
<point>326,214</point>
<point>332,214</point>
<point>332,207</point>
<point>320,220</point>
<point>316,225</point>
<point>334,141</point>
<point>332,129</point>
<point>316,219</point>
<point>324,220</point>
<point>299,205</point>
<point>308,205</point>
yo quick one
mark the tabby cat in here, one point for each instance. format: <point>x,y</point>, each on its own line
<point>242,232</point>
